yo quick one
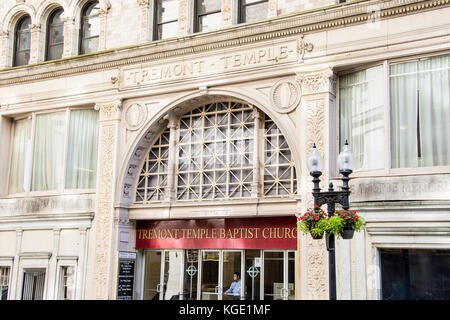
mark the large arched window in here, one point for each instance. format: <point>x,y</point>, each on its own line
<point>55,35</point>
<point>224,150</point>
<point>22,42</point>
<point>90,28</point>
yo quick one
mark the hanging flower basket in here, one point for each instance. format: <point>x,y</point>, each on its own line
<point>313,222</point>
<point>347,232</point>
<point>349,222</point>
<point>342,224</point>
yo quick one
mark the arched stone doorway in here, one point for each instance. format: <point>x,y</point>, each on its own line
<point>228,161</point>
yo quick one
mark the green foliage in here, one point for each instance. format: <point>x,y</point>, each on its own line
<point>335,225</point>
<point>316,222</point>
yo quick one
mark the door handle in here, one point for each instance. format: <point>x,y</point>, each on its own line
<point>217,289</point>
<point>285,293</point>
<point>158,287</point>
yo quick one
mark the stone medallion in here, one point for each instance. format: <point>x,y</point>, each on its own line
<point>285,96</point>
<point>135,115</point>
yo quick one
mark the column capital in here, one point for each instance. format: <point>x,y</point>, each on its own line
<point>317,81</point>
<point>105,5</point>
<point>35,27</point>
<point>109,110</point>
<point>143,3</point>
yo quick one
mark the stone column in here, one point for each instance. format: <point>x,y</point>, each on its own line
<point>15,293</point>
<point>171,172</point>
<point>257,137</point>
<point>103,224</point>
<point>103,14</point>
<point>184,17</point>
<point>52,288</point>
<point>81,266</point>
<point>4,49</point>
<point>318,95</point>
<point>70,37</point>
<point>145,21</point>
<point>272,12</point>
<point>35,30</point>
<point>227,13</point>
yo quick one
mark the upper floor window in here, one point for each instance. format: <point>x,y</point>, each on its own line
<point>208,15</point>
<point>55,35</point>
<point>54,151</point>
<point>218,147</point>
<point>4,282</point>
<point>253,10</point>
<point>166,21</point>
<point>90,28</point>
<point>22,42</point>
<point>418,115</point>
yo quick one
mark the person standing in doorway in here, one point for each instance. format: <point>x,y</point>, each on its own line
<point>235,288</point>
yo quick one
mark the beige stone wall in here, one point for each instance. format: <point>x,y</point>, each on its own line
<point>122,22</point>
<point>290,6</point>
<point>333,41</point>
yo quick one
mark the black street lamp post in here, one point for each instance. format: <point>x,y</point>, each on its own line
<point>330,198</point>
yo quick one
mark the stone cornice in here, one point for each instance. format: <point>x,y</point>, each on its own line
<point>335,16</point>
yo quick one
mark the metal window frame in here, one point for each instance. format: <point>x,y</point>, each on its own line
<point>50,27</point>
<point>157,23</point>
<point>17,39</point>
<point>242,6</point>
<point>197,16</point>
<point>83,19</point>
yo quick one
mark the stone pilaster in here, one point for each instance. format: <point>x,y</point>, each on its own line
<point>4,49</point>
<point>35,30</point>
<point>70,37</point>
<point>103,226</point>
<point>272,12</point>
<point>105,5</point>
<point>227,13</point>
<point>318,94</point>
<point>145,20</point>
<point>184,17</point>
<point>81,265</point>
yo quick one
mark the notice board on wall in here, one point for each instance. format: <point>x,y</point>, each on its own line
<point>125,283</point>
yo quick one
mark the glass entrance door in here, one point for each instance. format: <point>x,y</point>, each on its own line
<point>278,275</point>
<point>171,282</point>
<point>163,277</point>
<point>216,274</point>
<point>152,275</point>
<point>231,263</point>
<point>210,288</point>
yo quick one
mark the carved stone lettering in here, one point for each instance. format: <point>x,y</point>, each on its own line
<point>253,58</point>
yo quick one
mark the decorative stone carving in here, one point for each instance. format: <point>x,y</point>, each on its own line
<point>303,47</point>
<point>226,12</point>
<point>103,216</point>
<point>135,115</point>
<point>285,96</point>
<point>109,110</point>
<point>317,82</point>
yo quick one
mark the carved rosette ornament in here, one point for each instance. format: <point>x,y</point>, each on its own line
<point>285,96</point>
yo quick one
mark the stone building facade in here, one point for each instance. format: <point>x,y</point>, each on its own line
<point>283,77</point>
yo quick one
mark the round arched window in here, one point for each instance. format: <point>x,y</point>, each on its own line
<point>22,42</point>
<point>224,150</point>
<point>55,35</point>
<point>90,28</point>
